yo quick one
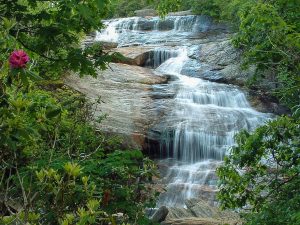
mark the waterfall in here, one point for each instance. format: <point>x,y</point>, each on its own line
<point>205,116</point>
<point>162,55</point>
<point>159,56</point>
<point>173,66</point>
<point>109,34</point>
<point>191,23</point>
<point>140,31</point>
<point>204,121</point>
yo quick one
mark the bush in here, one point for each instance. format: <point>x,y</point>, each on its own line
<point>55,168</point>
<point>261,173</point>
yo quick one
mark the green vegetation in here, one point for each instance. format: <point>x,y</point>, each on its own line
<point>55,168</point>
<point>126,8</point>
<point>262,174</point>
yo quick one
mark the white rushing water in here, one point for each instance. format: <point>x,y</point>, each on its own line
<point>160,55</point>
<point>141,31</point>
<point>206,118</point>
<point>206,115</point>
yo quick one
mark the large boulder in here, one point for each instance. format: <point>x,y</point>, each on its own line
<point>134,55</point>
<point>217,60</point>
<point>203,209</point>
<point>108,45</point>
<point>160,215</point>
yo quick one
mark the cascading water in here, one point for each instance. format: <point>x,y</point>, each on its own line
<point>152,31</point>
<point>159,56</point>
<point>201,128</point>
<point>205,116</point>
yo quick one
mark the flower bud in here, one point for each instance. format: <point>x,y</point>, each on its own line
<point>18,59</point>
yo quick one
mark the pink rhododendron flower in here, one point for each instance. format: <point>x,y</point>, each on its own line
<point>18,59</point>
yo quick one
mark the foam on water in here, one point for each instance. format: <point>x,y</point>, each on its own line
<point>141,31</point>
<point>205,117</point>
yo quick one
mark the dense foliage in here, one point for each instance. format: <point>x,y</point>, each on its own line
<point>262,173</point>
<point>125,8</point>
<point>55,168</point>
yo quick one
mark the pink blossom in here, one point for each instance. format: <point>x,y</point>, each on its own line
<point>18,59</point>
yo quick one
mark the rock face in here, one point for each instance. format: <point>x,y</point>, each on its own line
<point>199,212</point>
<point>217,61</point>
<point>125,93</point>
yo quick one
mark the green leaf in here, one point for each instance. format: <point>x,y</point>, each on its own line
<point>53,113</point>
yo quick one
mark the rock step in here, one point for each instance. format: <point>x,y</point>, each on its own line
<point>198,221</point>
<point>200,212</point>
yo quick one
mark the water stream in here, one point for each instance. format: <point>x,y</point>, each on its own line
<point>200,128</point>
